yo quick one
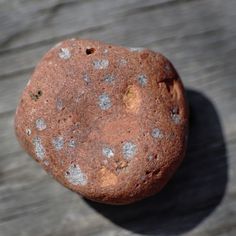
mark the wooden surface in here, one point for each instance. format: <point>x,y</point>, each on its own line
<point>200,39</point>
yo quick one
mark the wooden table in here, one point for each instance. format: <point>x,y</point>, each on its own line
<point>200,39</point>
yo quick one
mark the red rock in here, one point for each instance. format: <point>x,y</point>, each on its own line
<point>107,122</point>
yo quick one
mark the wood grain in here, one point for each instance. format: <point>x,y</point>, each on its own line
<point>199,37</point>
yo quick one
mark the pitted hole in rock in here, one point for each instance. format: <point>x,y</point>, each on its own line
<point>145,180</point>
<point>155,156</point>
<point>175,115</point>
<point>169,85</point>
<point>40,93</point>
<point>90,51</point>
<point>155,172</point>
<point>36,96</point>
<point>175,111</point>
<point>173,87</point>
<point>152,173</point>
<point>137,185</point>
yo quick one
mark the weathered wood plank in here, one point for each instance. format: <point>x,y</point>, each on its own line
<point>10,90</point>
<point>71,18</point>
<point>200,39</point>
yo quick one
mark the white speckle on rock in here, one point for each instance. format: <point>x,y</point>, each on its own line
<point>123,62</point>
<point>38,147</point>
<point>167,67</point>
<point>59,104</point>
<point>100,64</point>
<point>107,152</point>
<point>136,49</point>
<point>72,143</point>
<point>150,158</point>
<point>64,53</point>
<point>80,95</point>
<point>104,101</point>
<point>142,79</point>
<point>28,132</point>
<point>75,176</point>
<point>46,162</point>
<point>129,150</point>
<point>58,143</point>
<point>105,51</point>
<point>176,118</point>
<point>41,124</point>
<point>143,178</point>
<point>156,133</point>
<point>109,79</point>
<point>86,78</point>
<point>175,115</point>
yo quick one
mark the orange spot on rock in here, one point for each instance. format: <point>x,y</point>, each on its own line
<point>107,178</point>
<point>132,99</point>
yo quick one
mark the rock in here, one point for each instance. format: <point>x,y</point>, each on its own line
<point>108,122</point>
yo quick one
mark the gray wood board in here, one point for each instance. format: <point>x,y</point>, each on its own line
<point>199,37</point>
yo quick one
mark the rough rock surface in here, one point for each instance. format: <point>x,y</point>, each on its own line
<point>108,122</point>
